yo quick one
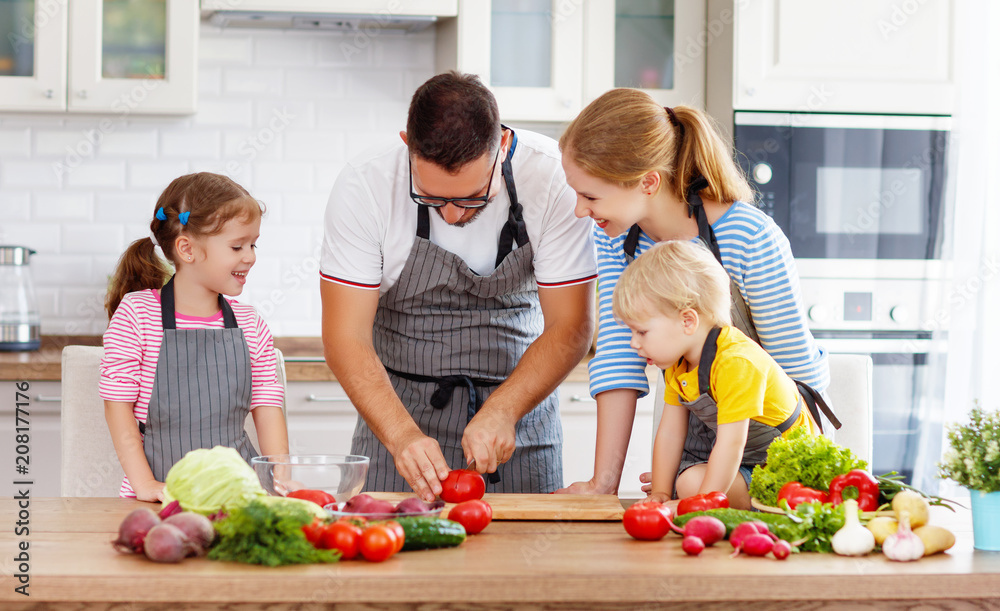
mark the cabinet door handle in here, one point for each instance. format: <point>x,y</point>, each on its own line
<point>47,399</point>
<point>318,399</point>
<point>582,399</point>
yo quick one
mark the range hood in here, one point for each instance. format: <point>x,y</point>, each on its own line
<point>400,16</point>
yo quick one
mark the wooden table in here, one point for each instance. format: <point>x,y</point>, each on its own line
<point>510,565</point>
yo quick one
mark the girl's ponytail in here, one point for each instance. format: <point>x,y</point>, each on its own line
<point>624,134</point>
<point>702,152</point>
<point>138,269</point>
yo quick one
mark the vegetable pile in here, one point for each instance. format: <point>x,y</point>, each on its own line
<point>170,536</point>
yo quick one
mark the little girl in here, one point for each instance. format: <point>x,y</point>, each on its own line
<point>726,398</point>
<point>182,365</point>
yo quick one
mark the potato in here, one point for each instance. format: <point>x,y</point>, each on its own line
<point>882,527</point>
<point>936,539</point>
<point>917,506</point>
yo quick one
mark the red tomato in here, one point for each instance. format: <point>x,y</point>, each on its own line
<point>314,531</point>
<point>647,521</point>
<point>462,485</point>
<point>397,528</point>
<point>474,515</point>
<point>316,496</point>
<point>343,537</point>
<point>378,543</point>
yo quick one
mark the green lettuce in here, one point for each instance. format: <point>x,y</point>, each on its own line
<point>207,480</point>
<point>811,460</point>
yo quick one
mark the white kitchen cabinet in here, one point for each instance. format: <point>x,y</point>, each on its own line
<point>435,8</point>
<point>320,418</point>
<point>103,56</point>
<point>44,441</point>
<point>866,56</point>
<point>655,45</point>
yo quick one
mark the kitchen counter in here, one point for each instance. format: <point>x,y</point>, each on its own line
<point>511,565</point>
<point>303,360</point>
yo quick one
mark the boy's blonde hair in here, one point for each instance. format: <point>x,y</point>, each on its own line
<point>670,277</point>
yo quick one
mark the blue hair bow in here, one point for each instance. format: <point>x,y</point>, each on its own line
<point>183,217</point>
<point>161,214</point>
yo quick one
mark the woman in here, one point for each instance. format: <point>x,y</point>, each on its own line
<point>647,174</point>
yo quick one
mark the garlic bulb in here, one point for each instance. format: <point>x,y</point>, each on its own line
<point>904,545</point>
<point>853,539</point>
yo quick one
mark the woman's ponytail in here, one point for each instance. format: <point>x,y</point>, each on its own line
<point>702,152</point>
<point>138,269</point>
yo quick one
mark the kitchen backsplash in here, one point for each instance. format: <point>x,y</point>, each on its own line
<point>279,112</point>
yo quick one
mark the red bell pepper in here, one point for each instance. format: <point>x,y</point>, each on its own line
<point>866,484</point>
<point>703,502</point>
<point>794,493</point>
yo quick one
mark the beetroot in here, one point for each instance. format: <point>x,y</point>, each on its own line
<point>171,508</point>
<point>133,530</point>
<point>167,543</point>
<point>709,529</point>
<point>363,503</point>
<point>692,546</point>
<point>196,527</point>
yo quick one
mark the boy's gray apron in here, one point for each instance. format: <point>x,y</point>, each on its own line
<point>740,312</point>
<point>703,419</point>
<point>448,337</point>
<point>201,392</point>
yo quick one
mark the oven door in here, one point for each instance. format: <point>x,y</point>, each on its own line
<point>849,186</point>
<point>908,376</point>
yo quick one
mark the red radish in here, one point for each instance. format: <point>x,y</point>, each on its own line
<point>781,549</point>
<point>197,527</point>
<point>709,529</point>
<point>133,530</point>
<point>692,546</point>
<point>167,543</point>
<point>744,530</point>
<point>757,544</point>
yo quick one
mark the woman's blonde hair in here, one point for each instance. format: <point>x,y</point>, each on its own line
<point>206,202</point>
<point>670,277</point>
<point>624,134</point>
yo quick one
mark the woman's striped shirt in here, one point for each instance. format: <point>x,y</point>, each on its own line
<point>757,256</point>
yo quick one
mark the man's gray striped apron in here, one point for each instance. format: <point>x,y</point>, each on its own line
<point>703,419</point>
<point>201,392</point>
<point>448,337</point>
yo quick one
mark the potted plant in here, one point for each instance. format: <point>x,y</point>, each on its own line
<point>974,462</point>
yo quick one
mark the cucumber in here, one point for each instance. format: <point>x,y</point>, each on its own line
<point>776,522</point>
<point>430,533</point>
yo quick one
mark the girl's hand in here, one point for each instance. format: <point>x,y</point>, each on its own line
<point>657,497</point>
<point>151,491</point>
<point>647,481</point>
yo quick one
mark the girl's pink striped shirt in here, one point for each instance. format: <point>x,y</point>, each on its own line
<point>132,348</point>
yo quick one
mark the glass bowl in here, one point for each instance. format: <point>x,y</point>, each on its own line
<point>339,475</point>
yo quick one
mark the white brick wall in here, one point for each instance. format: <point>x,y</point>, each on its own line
<point>279,112</point>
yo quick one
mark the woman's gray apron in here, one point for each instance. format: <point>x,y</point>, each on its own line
<point>201,392</point>
<point>740,312</point>
<point>703,415</point>
<point>448,337</point>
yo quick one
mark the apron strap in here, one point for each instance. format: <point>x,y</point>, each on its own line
<point>631,242</point>
<point>787,424</point>
<point>705,362</point>
<point>446,386</point>
<point>817,404</point>
<point>168,313</point>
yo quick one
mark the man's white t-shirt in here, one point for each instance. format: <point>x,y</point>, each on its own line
<point>371,222</point>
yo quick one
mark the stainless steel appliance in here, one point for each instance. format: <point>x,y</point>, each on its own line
<point>861,200</point>
<point>20,326</point>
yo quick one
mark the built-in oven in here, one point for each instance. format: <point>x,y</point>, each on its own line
<point>861,199</point>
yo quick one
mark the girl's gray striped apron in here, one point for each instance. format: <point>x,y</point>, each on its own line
<point>201,392</point>
<point>703,419</point>
<point>448,337</point>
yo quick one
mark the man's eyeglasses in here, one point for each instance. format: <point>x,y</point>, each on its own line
<point>461,202</point>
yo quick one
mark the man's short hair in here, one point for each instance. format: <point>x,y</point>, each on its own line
<point>453,120</point>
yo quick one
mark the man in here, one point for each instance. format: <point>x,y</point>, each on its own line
<point>457,290</point>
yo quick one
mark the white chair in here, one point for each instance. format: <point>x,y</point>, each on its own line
<point>850,397</point>
<point>89,464</point>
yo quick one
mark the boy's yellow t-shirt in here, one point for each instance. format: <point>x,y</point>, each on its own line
<point>746,383</point>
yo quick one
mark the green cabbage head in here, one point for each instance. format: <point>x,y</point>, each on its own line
<point>207,480</point>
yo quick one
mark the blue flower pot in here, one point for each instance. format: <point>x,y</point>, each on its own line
<point>985,520</point>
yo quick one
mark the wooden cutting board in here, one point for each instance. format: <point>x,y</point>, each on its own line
<point>562,507</point>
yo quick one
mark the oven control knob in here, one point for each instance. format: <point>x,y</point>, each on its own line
<point>899,314</point>
<point>762,173</point>
<point>819,313</point>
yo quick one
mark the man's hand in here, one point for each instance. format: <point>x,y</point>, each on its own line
<point>489,439</point>
<point>420,462</point>
<point>587,487</point>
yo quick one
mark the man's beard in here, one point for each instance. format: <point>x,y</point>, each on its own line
<point>475,215</point>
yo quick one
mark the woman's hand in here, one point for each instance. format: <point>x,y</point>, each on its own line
<point>150,491</point>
